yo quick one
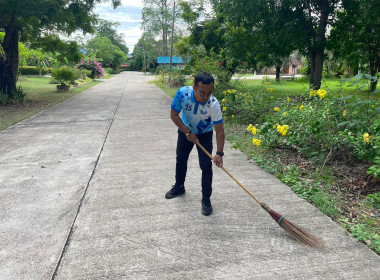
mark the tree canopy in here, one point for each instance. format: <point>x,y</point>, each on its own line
<point>35,19</point>
<point>107,29</point>
<point>102,49</point>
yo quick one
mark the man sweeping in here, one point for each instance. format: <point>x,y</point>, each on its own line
<point>200,113</point>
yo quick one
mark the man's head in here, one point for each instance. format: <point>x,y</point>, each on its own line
<point>203,86</point>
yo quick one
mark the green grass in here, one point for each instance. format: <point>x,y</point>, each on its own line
<point>41,95</point>
<point>301,86</point>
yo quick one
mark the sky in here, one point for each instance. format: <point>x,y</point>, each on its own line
<point>128,14</point>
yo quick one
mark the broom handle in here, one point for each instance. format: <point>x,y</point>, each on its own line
<point>229,174</point>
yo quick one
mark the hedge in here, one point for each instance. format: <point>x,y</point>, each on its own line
<point>33,70</point>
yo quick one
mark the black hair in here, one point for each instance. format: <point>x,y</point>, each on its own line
<point>203,77</point>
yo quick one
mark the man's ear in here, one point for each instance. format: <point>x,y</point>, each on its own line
<point>194,86</point>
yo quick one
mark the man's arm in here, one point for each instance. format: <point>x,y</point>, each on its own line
<point>220,138</point>
<point>179,123</point>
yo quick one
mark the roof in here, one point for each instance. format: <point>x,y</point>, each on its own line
<point>166,59</point>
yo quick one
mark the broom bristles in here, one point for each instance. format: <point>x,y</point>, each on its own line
<point>302,235</point>
<point>298,233</point>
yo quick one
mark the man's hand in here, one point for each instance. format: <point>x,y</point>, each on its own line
<point>218,160</point>
<point>192,138</point>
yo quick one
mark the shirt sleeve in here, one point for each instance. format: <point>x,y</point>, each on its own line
<point>176,104</point>
<point>216,113</point>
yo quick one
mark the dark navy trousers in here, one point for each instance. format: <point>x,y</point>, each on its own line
<point>184,147</point>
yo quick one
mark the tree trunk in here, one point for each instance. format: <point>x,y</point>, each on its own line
<point>278,69</point>
<point>165,42</point>
<point>312,67</point>
<point>9,65</point>
<point>318,69</point>
<point>320,44</point>
<point>374,68</point>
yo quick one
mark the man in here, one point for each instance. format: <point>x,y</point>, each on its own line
<point>200,113</point>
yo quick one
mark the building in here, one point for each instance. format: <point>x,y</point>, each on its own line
<point>177,62</point>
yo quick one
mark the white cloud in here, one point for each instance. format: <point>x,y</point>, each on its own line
<point>128,14</point>
<point>132,3</point>
<point>131,36</point>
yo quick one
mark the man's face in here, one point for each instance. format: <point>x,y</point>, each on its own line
<point>202,92</point>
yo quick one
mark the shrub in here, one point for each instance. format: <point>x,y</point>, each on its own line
<point>176,79</point>
<point>18,95</point>
<point>33,70</point>
<point>4,98</point>
<point>92,65</point>
<point>64,75</point>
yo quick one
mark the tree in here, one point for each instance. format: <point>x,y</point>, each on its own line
<point>145,53</point>
<point>356,36</point>
<point>305,21</point>
<point>107,29</point>
<point>156,20</point>
<point>101,47</point>
<point>31,19</point>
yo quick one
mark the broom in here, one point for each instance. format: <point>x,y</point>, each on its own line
<point>298,233</point>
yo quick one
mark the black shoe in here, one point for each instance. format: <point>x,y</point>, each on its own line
<point>175,191</point>
<point>206,206</point>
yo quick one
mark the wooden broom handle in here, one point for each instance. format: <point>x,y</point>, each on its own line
<point>229,174</point>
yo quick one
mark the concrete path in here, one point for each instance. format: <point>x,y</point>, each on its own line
<point>82,189</point>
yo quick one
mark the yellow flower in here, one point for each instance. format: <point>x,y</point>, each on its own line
<point>285,114</point>
<point>271,89</point>
<point>234,90</point>
<point>232,116</point>
<point>229,91</point>
<point>271,97</point>
<point>224,100</point>
<point>276,109</point>
<point>261,99</point>
<point>266,83</point>
<point>367,137</point>
<point>283,129</point>
<point>252,129</point>
<point>288,99</point>
<point>321,93</point>
<point>344,113</point>
<point>224,108</point>
<point>311,107</point>
<point>313,93</point>
<point>301,107</point>
<point>224,92</point>
<point>256,142</point>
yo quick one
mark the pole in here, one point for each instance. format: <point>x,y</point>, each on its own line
<point>144,53</point>
<point>171,47</point>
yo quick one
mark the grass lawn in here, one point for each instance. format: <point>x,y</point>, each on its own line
<point>288,87</point>
<point>41,95</point>
<point>301,86</point>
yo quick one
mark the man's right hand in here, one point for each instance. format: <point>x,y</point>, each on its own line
<point>192,138</point>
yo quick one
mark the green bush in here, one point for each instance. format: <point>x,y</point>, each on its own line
<point>64,75</point>
<point>317,125</point>
<point>33,70</point>
<point>18,95</point>
<point>176,79</point>
<point>4,98</point>
<point>112,71</point>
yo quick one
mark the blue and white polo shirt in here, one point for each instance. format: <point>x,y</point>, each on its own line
<point>198,117</point>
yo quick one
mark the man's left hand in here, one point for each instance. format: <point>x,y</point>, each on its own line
<point>218,160</point>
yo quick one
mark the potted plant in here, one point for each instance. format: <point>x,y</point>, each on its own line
<point>65,76</point>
